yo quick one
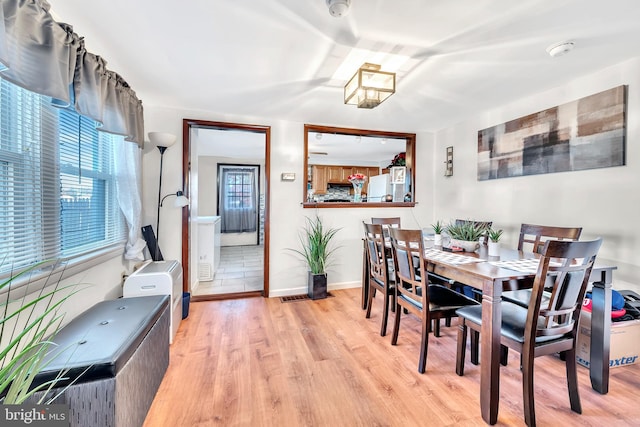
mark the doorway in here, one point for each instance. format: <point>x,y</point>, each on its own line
<point>226,228</point>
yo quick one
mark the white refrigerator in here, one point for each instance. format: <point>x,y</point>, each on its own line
<point>378,187</point>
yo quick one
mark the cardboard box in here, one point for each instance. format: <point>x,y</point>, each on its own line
<point>625,342</point>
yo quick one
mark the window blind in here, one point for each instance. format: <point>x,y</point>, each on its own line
<point>57,182</point>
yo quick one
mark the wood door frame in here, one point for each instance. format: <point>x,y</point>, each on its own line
<point>187,124</point>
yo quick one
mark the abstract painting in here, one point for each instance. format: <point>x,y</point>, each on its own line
<point>585,134</point>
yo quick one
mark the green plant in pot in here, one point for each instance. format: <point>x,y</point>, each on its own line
<point>494,235</point>
<point>466,235</point>
<point>316,252</point>
<point>494,242</point>
<point>438,228</point>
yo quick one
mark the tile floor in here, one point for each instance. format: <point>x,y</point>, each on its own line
<point>240,270</point>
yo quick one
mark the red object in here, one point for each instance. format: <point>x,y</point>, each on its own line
<point>358,176</point>
<point>588,304</point>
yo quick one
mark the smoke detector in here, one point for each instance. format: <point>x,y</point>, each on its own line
<point>338,8</point>
<point>559,49</point>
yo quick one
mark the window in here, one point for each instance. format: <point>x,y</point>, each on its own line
<point>57,182</point>
<point>238,198</point>
<point>239,189</point>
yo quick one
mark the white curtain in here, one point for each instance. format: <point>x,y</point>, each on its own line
<point>127,160</point>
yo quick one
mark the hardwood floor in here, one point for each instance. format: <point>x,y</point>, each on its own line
<point>260,362</point>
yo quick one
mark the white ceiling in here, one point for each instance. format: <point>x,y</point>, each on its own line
<point>290,59</point>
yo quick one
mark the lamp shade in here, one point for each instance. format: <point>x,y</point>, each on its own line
<point>369,86</point>
<point>181,201</point>
<point>162,139</point>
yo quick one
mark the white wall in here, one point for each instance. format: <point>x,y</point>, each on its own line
<point>603,201</point>
<point>287,273</point>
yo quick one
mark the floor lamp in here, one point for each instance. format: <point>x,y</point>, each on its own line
<point>162,140</point>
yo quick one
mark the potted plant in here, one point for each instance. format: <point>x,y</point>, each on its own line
<point>438,228</point>
<point>315,240</point>
<point>494,242</point>
<point>466,235</point>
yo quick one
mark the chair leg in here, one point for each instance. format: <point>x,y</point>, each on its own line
<point>572,380</point>
<point>385,316</point>
<point>527,388</point>
<point>447,321</point>
<point>424,343</point>
<point>372,293</point>
<point>393,302</point>
<point>475,347</point>
<point>436,327</point>
<point>462,346</point>
<point>396,325</point>
<point>504,355</point>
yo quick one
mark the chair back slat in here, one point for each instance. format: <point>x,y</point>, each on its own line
<point>411,280</point>
<point>533,237</point>
<point>565,267</point>
<point>391,221</point>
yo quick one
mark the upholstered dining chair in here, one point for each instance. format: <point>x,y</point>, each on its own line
<point>378,272</point>
<point>547,325</point>
<point>413,291</point>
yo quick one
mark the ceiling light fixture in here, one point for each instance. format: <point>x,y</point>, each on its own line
<point>559,49</point>
<point>338,8</point>
<point>369,86</point>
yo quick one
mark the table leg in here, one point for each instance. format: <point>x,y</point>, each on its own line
<point>600,335</point>
<point>365,275</point>
<point>490,347</point>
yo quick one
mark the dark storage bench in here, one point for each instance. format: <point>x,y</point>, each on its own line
<point>124,343</point>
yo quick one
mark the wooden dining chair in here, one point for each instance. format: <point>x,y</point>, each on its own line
<point>378,272</point>
<point>537,235</point>
<point>547,325</point>
<point>532,239</point>
<point>413,291</point>
<point>387,222</point>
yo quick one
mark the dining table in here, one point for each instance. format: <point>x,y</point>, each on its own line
<point>489,275</point>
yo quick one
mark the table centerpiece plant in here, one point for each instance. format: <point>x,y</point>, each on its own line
<point>438,228</point>
<point>494,241</point>
<point>315,240</point>
<point>465,235</point>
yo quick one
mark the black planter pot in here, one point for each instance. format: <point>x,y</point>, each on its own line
<point>317,284</point>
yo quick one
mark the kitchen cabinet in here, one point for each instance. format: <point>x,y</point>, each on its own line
<point>322,175</point>
<point>334,175</point>
<point>319,179</point>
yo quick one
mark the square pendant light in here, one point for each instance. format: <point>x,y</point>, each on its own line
<point>369,86</point>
